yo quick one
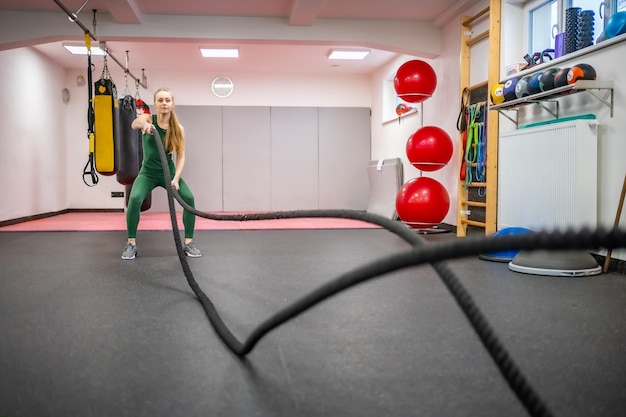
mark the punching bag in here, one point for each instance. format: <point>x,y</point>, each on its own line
<point>106,127</point>
<point>143,108</point>
<point>147,202</point>
<point>130,141</point>
<point>133,148</point>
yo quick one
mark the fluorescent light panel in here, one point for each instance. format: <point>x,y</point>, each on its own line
<point>220,52</point>
<point>348,54</point>
<point>82,50</point>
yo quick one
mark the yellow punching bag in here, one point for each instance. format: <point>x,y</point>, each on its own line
<point>106,126</point>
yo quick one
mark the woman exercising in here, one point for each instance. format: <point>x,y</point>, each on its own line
<point>151,173</point>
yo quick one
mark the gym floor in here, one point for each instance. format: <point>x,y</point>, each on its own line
<point>84,333</point>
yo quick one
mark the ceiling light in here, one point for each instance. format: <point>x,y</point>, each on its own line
<point>82,50</point>
<point>220,52</point>
<point>348,54</point>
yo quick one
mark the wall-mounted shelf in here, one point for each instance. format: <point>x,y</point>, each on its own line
<point>551,96</point>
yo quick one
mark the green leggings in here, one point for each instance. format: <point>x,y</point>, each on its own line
<point>142,186</point>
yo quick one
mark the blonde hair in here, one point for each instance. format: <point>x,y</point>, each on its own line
<point>173,141</point>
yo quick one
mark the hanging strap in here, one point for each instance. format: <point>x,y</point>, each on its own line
<point>465,115</point>
<point>461,121</point>
<point>90,171</point>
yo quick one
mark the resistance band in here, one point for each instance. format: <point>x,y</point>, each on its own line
<point>481,146</point>
<point>421,253</point>
<point>470,145</point>
<point>475,157</point>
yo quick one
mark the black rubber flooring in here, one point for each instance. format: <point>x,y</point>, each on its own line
<point>84,333</point>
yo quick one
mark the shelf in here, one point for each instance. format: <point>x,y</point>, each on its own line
<point>551,95</point>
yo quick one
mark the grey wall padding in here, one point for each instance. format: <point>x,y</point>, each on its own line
<point>344,149</point>
<point>203,158</point>
<point>295,159</point>
<point>247,158</point>
<point>385,180</point>
<point>261,158</point>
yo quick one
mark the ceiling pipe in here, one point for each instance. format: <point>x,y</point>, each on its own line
<point>73,17</point>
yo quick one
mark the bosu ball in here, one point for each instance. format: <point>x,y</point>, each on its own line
<point>570,263</point>
<point>508,255</point>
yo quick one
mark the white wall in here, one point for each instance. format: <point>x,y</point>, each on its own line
<point>44,145</point>
<point>194,88</point>
<point>608,63</point>
<point>611,143</point>
<point>44,148</point>
<point>33,142</point>
<point>441,110</point>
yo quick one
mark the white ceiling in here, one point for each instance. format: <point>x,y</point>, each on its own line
<point>296,35</point>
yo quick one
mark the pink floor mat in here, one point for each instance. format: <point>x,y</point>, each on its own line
<point>79,221</point>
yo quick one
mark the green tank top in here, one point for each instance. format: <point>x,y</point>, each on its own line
<point>151,164</point>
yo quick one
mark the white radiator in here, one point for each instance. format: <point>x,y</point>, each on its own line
<point>548,176</point>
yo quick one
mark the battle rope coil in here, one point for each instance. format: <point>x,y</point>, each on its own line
<point>421,253</point>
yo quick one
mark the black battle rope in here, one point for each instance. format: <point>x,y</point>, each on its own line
<point>421,253</point>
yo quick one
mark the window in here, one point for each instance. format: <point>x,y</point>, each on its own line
<point>391,102</point>
<point>542,20</point>
<point>548,18</point>
<point>598,8</point>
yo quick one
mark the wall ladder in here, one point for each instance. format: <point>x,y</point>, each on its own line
<point>477,200</point>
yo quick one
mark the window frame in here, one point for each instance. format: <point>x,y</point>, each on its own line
<point>531,29</point>
<point>608,9</point>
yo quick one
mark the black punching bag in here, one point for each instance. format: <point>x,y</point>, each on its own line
<point>147,202</point>
<point>143,108</point>
<point>130,142</point>
<point>132,153</point>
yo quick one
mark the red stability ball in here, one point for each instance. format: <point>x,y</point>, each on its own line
<point>415,81</point>
<point>429,148</point>
<point>422,203</point>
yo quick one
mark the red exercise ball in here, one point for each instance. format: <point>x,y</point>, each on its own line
<point>422,203</point>
<point>429,148</point>
<point>415,81</point>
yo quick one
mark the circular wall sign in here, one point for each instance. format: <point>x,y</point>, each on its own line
<point>222,86</point>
